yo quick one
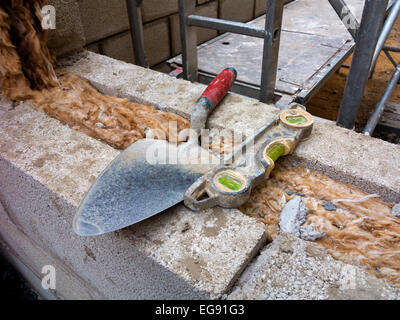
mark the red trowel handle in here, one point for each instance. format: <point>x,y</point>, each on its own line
<point>210,98</point>
<point>220,86</point>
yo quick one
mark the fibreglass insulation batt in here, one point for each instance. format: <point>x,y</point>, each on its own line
<point>25,61</point>
<point>115,121</point>
<point>362,233</point>
<point>27,73</point>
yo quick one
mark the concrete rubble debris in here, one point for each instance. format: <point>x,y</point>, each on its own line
<point>290,268</point>
<point>361,233</point>
<point>396,210</point>
<point>310,234</point>
<point>329,206</point>
<point>293,216</point>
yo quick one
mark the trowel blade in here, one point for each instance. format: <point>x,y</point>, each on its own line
<point>140,182</point>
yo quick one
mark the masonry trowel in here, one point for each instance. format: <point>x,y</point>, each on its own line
<point>151,175</point>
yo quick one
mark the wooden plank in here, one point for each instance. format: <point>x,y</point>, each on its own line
<point>391,115</point>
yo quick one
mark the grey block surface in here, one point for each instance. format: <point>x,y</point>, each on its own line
<point>236,10</point>
<point>207,10</point>
<point>156,41</point>
<point>108,267</point>
<point>102,18</point>
<point>290,268</point>
<point>69,34</point>
<point>45,170</point>
<point>342,154</point>
<point>153,9</point>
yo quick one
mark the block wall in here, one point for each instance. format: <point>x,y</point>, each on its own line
<point>106,27</point>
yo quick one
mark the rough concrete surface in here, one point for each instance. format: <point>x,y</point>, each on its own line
<point>102,18</point>
<point>119,47</point>
<point>156,41</point>
<point>46,168</point>
<point>367,163</point>
<point>310,234</point>
<point>179,254</point>
<point>108,267</point>
<point>14,243</point>
<point>208,10</point>
<point>291,268</point>
<point>68,36</point>
<point>153,9</point>
<point>260,7</point>
<point>147,86</point>
<point>396,210</point>
<point>342,154</point>
<point>236,10</point>
<point>292,218</point>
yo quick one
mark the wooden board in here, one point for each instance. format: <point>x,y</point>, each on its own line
<point>391,115</point>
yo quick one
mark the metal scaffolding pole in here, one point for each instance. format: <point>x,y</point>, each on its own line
<point>347,17</point>
<point>226,25</point>
<point>380,107</point>
<point>188,40</point>
<point>136,25</point>
<point>271,35</point>
<point>387,27</point>
<point>273,26</point>
<point>389,56</point>
<point>368,34</point>
<point>392,48</point>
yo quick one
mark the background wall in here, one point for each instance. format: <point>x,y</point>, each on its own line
<point>105,25</point>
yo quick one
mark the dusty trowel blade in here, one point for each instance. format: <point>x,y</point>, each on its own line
<point>131,189</point>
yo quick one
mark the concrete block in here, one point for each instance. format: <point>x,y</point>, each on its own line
<point>362,161</point>
<point>94,48</point>
<point>292,269</point>
<point>208,10</point>
<point>119,47</point>
<point>236,10</point>
<point>69,34</point>
<point>45,170</point>
<point>102,18</point>
<point>292,218</point>
<point>156,41</point>
<point>260,7</point>
<point>163,67</point>
<point>153,9</point>
<point>176,95</point>
<point>352,160</point>
<point>101,268</point>
<point>24,252</point>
